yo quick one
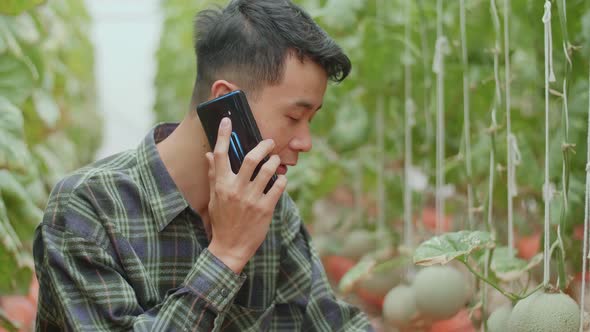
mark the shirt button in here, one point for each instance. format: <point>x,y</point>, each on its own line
<point>223,292</point>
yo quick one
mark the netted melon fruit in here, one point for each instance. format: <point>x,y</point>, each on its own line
<point>545,312</point>
<point>399,306</point>
<point>357,244</point>
<point>440,291</point>
<point>498,320</point>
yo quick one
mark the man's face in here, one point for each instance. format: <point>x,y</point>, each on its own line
<point>284,111</point>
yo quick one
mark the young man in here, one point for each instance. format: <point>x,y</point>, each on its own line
<point>166,237</point>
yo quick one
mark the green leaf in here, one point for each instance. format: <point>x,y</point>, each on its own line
<point>23,213</point>
<point>444,248</point>
<point>14,154</point>
<point>357,273</point>
<point>24,28</point>
<point>11,118</point>
<point>351,129</point>
<point>16,79</point>
<point>15,7</point>
<point>509,268</point>
<point>46,108</point>
<point>16,264</point>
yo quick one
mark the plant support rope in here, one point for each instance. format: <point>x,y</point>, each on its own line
<point>547,191</point>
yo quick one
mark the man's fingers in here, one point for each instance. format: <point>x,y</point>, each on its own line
<point>253,158</point>
<point>277,189</point>
<point>222,145</point>
<point>268,169</point>
<point>211,173</point>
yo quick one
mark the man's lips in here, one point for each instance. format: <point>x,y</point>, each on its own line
<point>283,168</point>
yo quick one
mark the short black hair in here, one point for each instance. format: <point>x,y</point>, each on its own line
<point>249,40</point>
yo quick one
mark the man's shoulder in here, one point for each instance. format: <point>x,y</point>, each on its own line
<point>93,192</point>
<point>113,169</point>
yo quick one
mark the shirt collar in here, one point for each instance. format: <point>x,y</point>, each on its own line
<point>164,198</point>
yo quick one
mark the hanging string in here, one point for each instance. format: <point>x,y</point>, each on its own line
<point>515,158</point>
<point>493,128</point>
<point>510,163</point>
<point>409,124</point>
<point>567,129</point>
<point>466,120</point>
<point>380,125</point>
<point>586,216</point>
<point>441,49</point>
<point>547,190</point>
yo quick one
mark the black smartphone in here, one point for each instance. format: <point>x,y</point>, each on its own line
<point>245,133</point>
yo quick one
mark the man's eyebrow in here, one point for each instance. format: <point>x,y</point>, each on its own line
<point>306,105</point>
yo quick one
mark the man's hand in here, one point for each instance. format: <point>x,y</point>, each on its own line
<point>240,213</point>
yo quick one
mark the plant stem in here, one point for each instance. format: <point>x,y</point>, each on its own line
<point>512,297</point>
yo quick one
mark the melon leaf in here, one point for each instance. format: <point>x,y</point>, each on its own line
<point>508,267</point>
<point>446,247</point>
<point>358,272</point>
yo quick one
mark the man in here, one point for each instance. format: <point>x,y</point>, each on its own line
<point>166,237</point>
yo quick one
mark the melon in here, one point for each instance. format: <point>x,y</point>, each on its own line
<point>440,291</point>
<point>399,307</point>
<point>545,312</point>
<point>498,320</point>
<point>358,243</point>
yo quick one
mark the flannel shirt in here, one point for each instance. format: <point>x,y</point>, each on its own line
<point>120,249</point>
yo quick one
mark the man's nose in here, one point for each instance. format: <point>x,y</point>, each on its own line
<point>302,141</point>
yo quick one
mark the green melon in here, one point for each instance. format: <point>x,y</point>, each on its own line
<point>498,320</point>
<point>358,243</point>
<point>440,291</point>
<point>544,312</point>
<point>399,306</point>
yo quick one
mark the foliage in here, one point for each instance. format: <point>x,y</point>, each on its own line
<point>372,33</point>
<point>48,121</point>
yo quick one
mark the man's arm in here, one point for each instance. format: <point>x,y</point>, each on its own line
<point>83,286</point>
<point>324,311</point>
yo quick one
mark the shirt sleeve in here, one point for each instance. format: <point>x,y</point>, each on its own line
<point>323,310</point>
<point>84,288</point>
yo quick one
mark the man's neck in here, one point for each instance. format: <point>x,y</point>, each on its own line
<point>183,154</point>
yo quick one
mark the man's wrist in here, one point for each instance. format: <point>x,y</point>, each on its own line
<point>234,262</point>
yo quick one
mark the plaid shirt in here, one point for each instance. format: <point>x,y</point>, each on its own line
<point>119,248</point>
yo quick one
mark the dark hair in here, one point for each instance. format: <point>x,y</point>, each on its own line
<point>249,40</point>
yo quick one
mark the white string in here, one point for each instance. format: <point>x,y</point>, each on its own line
<point>549,38</point>
<point>410,122</point>
<point>466,121</point>
<point>497,50</point>
<point>567,129</point>
<point>510,163</point>
<point>441,49</point>
<point>586,215</point>
<point>497,101</point>
<point>380,119</point>
<point>547,192</point>
<point>515,158</point>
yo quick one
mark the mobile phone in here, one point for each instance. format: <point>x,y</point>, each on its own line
<point>245,134</point>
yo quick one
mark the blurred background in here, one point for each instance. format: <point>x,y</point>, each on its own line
<point>80,80</point>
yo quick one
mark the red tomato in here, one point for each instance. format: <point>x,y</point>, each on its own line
<point>579,232</point>
<point>371,299</point>
<point>429,220</point>
<point>337,266</point>
<point>528,246</point>
<point>458,323</point>
<point>19,309</point>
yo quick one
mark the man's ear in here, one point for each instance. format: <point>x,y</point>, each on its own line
<point>220,88</point>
